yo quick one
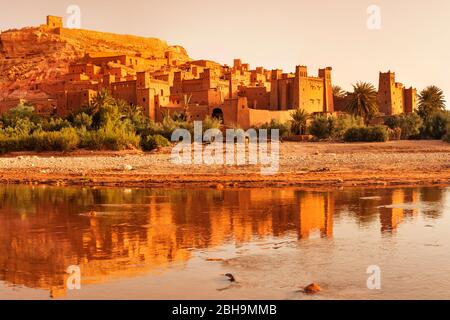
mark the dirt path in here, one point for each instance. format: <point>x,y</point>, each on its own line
<point>301,164</point>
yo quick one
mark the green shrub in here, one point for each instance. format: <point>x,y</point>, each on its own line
<point>54,124</point>
<point>167,127</point>
<point>410,124</point>
<point>321,127</point>
<point>340,124</point>
<point>65,140</point>
<point>148,127</point>
<point>446,138</point>
<point>366,134</point>
<point>435,127</point>
<point>8,144</point>
<point>82,120</point>
<point>22,111</point>
<point>355,134</point>
<point>284,128</point>
<point>210,123</point>
<point>21,127</point>
<point>110,139</point>
<point>394,134</point>
<point>392,122</point>
<point>154,141</point>
<point>378,134</point>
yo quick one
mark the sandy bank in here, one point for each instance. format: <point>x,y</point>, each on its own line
<point>301,164</point>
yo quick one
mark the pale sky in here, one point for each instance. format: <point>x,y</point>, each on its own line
<point>414,39</point>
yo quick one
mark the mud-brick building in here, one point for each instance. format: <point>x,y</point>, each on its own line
<point>54,22</point>
<point>293,91</point>
<point>208,89</point>
<point>393,98</point>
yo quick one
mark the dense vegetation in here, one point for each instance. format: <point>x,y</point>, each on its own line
<point>353,128</point>
<point>106,124</point>
<point>366,134</point>
<point>430,121</point>
<point>109,124</point>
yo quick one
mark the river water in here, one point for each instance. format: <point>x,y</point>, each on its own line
<point>178,244</point>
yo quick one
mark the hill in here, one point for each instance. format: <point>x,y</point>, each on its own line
<point>33,54</point>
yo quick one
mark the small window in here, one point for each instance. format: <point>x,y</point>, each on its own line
<point>143,99</point>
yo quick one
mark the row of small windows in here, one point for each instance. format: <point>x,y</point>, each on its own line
<point>312,101</point>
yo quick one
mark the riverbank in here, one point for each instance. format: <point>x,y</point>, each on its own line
<point>393,163</point>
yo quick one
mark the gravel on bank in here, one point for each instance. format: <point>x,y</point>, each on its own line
<point>299,163</point>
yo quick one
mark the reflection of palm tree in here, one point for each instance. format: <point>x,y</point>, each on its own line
<point>363,101</point>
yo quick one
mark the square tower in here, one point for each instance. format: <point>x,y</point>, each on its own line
<point>142,80</point>
<point>300,87</point>
<point>54,22</point>
<point>328,99</point>
<point>386,86</point>
<point>410,99</point>
<point>393,98</point>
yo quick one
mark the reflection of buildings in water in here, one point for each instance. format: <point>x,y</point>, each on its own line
<point>126,249</point>
<point>36,249</point>
<point>208,219</point>
<point>316,214</point>
<point>433,196</point>
<point>247,214</point>
<point>41,233</point>
<point>402,201</point>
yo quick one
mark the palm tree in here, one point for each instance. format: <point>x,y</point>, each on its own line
<point>431,99</point>
<point>299,120</point>
<point>186,102</point>
<point>338,92</point>
<point>363,101</point>
<point>103,98</point>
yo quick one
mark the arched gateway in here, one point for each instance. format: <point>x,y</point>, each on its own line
<point>218,114</point>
